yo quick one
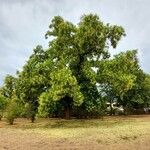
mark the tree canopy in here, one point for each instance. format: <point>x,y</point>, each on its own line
<point>76,74</point>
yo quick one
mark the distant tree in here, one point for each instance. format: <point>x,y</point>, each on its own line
<point>122,80</point>
<point>3,103</point>
<point>138,96</point>
<point>13,109</point>
<point>146,90</point>
<point>9,86</point>
<point>117,76</point>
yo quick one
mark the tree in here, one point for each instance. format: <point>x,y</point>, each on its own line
<point>33,80</point>
<point>6,92</point>
<point>9,86</point>
<point>138,97</point>
<point>145,92</point>
<point>3,104</point>
<point>13,109</point>
<point>122,79</point>
<point>76,49</point>
<point>75,74</point>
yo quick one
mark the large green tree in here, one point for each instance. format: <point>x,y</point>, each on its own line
<point>76,50</point>
<point>76,73</point>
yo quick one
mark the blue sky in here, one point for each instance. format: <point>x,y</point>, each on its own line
<point>23,24</point>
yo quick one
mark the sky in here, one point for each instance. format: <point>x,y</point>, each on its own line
<point>23,24</point>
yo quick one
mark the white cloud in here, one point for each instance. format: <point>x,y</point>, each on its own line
<point>24,23</point>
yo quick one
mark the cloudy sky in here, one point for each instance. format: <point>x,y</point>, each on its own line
<point>23,24</point>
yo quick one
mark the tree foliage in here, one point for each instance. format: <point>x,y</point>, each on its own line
<point>75,75</point>
<point>3,104</point>
<point>33,79</point>
<point>13,110</point>
<point>9,86</point>
<point>74,49</point>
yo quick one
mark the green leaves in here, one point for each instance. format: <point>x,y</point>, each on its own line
<point>3,102</point>
<point>114,34</point>
<point>13,109</point>
<point>118,76</point>
<point>63,84</point>
<point>73,51</point>
<point>9,86</point>
<point>66,75</point>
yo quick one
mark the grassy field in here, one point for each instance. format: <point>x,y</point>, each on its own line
<point>109,133</point>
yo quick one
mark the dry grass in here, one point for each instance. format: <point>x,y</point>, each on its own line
<point>114,133</point>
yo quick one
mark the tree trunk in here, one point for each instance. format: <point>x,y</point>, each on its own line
<point>67,112</point>
<point>111,108</point>
<point>1,115</point>
<point>32,119</point>
<point>67,103</point>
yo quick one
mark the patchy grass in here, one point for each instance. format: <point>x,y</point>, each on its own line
<point>108,133</point>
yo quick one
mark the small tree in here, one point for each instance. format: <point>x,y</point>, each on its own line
<point>12,110</point>
<point>3,103</point>
<point>30,112</point>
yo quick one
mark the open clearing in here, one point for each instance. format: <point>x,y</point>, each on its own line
<point>109,133</point>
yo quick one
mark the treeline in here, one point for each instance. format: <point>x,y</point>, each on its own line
<point>76,75</point>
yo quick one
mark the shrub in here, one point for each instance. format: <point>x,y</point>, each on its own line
<point>30,112</point>
<point>3,103</point>
<point>12,111</point>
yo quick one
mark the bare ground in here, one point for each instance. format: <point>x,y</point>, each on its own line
<point>25,136</point>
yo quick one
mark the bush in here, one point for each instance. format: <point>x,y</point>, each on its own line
<point>3,103</point>
<point>30,112</point>
<point>12,111</point>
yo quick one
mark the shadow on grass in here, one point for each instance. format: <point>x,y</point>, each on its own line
<point>74,123</point>
<point>55,123</point>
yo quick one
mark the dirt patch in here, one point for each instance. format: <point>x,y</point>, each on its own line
<point>24,135</point>
<point>23,140</point>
